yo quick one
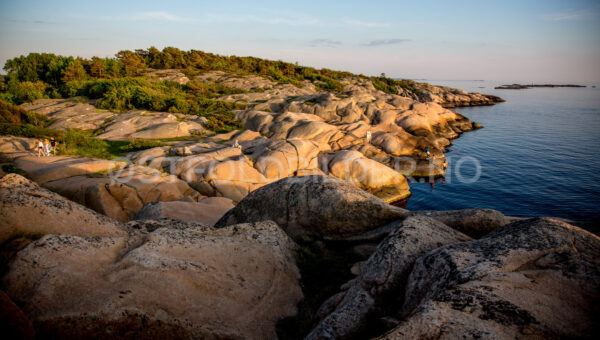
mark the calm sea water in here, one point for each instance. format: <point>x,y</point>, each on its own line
<point>538,155</point>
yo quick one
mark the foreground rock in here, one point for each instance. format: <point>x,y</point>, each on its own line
<point>375,289</point>
<point>314,208</point>
<point>535,278</point>
<point>27,210</point>
<point>178,281</point>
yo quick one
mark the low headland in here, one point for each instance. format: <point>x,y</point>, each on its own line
<point>529,86</point>
<point>193,195</point>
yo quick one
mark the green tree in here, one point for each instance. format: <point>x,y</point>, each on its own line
<point>133,64</point>
<point>97,68</point>
<point>74,71</point>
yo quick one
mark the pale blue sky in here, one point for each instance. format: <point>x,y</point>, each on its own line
<point>534,40</point>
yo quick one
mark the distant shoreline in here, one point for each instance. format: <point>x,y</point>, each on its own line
<point>521,87</point>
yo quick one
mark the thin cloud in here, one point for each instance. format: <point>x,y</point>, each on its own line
<point>324,43</point>
<point>162,16</point>
<point>570,15</point>
<point>30,21</point>
<point>360,23</point>
<point>274,20</point>
<point>382,42</point>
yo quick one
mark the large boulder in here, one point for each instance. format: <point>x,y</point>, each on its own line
<point>369,175</point>
<point>534,278</point>
<point>382,277</point>
<point>314,207</point>
<point>278,158</point>
<point>207,211</point>
<point>27,210</point>
<point>178,281</point>
<point>101,194</point>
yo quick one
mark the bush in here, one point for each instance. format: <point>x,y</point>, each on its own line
<point>140,144</point>
<point>13,114</point>
<point>222,122</point>
<point>29,131</point>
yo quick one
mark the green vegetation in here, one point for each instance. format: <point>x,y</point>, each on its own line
<point>11,169</point>
<point>18,122</point>
<point>389,85</point>
<point>120,84</point>
<point>140,144</point>
<point>12,114</point>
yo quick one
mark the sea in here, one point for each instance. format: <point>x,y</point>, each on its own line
<point>537,155</point>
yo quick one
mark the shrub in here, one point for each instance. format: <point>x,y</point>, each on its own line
<point>13,114</point>
<point>140,144</point>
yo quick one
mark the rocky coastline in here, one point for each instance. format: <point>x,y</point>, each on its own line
<point>282,229</point>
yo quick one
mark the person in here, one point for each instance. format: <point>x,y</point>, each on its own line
<point>368,136</point>
<point>40,146</point>
<point>427,153</point>
<point>237,145</point>
<point>53,145</point>
<point>47,147</point>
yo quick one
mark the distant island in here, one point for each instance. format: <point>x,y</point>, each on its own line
<point>521,87</point>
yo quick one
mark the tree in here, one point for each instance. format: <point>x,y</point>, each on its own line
<point>133,64</point>
<point>74,71</point>
<point>97,68</point>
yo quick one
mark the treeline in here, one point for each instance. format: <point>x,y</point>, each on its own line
<point>120,83</point>
<point>43,74</point>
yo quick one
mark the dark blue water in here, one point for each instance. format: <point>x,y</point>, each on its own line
<point>539,155</point>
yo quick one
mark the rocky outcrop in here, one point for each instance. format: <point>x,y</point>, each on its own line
<point>207,211</point>
<point>152,125</point>
<point>121,193</point>
<point>46,169</point>
<point>369,175</point>
<point>314,208</point>
<point>16,144</point>
<point>173,75</point>
<point>531,278</point>
<point>177,281</point>
<point>72,114</point>
<point>27,210</point>
<point>381,278</point>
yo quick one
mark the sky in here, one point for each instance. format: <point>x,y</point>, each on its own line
<point>512,41</point>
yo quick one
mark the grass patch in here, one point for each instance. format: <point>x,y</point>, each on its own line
<point>138,144</point>
<point>11,169</point>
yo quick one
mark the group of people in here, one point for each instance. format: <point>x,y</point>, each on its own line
<point>46,147</point>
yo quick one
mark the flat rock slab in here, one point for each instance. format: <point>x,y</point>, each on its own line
<point>45,169</point>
